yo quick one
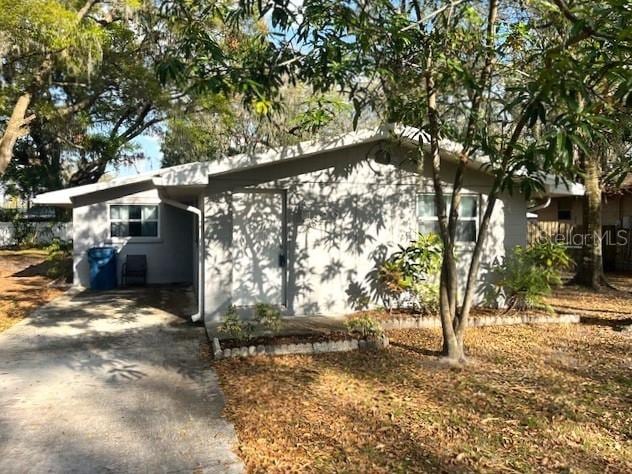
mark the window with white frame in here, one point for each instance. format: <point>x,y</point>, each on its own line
<point>133,220</point>
<point>466,226</point>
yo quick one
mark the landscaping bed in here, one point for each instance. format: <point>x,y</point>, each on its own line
<point>286,339</point>
<point>294,344</point>
<point>342,341</point>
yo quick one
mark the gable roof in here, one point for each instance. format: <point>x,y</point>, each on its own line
<point>197,174</point>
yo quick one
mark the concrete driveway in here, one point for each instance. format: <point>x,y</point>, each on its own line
<point>110,382</point>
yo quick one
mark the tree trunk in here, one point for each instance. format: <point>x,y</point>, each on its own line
<point>475,264</point>
<point>453,317</point>
<point>17,127</point>
<point>590,267</point>
<point>452,347</point>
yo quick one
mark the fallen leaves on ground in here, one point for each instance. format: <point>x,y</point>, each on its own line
<point>606,304</point>
<point>24,285</point>
<point>550,398</point>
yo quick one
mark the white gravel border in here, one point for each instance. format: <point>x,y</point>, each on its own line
<point>503,320</point>
<point>346,345</point>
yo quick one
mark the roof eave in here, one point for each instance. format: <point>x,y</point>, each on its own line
<point>64,197</point>
<point>564,190</point>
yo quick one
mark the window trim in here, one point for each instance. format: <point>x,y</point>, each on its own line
<point>435,218</point>
<point>136,238</point>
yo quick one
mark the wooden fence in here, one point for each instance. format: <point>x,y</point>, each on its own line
<point>616,241</point>
<point>562,232</point>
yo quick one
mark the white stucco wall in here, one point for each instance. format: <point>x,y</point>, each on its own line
<point>218,253</point>
<point>169,258</point>
<point>342,221</point>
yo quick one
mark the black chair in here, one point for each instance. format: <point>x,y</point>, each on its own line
<point>135,266</point>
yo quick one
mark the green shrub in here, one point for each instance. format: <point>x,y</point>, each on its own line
<point>428,297</point>
<point>407,276</point>
<point>364,326</point>
<point>24,231</point>
<point>421,258</point>
<point>268,316</point>
<point>8,214</point>
<point>392,283</point>
<point>60,259</point>
<point>233,327</point>
<point>528,274</point>
<point>550,255</point>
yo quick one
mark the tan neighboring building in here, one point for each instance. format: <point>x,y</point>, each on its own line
<point>564,216</point>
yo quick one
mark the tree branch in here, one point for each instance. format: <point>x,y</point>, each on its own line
<point>77,106</point>
<point>85,9</point>
<point>143,112</point>
<point>430,16</point>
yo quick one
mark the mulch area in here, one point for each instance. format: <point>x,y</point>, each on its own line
<point>549,398</point>
<point>285,339</point>
<point>24,284</point>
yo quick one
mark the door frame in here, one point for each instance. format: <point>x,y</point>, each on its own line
<point>284,247</point>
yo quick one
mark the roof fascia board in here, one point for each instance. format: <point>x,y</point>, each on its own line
<point>247,161</point>
<point>65,196</point>
<point>116,192</point>
<point>200,173</point>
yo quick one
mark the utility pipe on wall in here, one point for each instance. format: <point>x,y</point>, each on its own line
<point>200,290</point>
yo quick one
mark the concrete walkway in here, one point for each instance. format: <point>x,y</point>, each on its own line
<point>108,383</point>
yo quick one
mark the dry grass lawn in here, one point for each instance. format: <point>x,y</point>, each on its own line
<point>535,398</point>
<point>23,284</point>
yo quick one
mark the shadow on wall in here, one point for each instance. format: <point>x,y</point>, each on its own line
<point>505,234</point>
<point>361,211</point>
<point>258,247</point>
<point>342,229</point>
<point>337,221</point>
<point>342,222</point>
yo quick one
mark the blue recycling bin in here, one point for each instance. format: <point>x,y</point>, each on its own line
<point>102,261</point>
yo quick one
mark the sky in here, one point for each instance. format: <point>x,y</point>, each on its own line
<point>150,145</point>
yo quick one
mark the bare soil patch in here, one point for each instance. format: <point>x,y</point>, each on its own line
<point>24,284</point>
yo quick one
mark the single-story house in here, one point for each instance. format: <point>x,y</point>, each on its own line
<point>616,207</point>
<point>562,218</point>
<point>301,227</point>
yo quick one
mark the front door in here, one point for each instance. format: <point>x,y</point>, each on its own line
<point>258,247</point>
